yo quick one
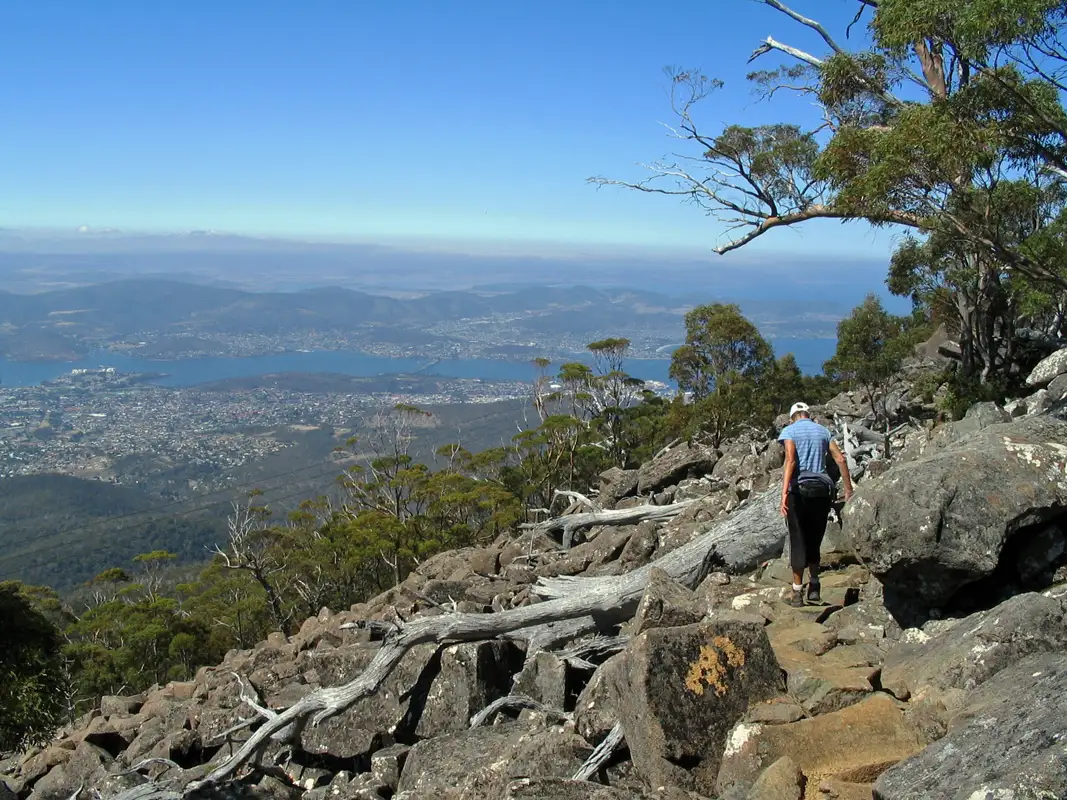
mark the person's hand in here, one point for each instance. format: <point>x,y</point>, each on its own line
<point>783,509</point>
<point>848,494</point>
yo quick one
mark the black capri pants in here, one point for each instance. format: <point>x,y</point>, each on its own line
<point>806,518</point>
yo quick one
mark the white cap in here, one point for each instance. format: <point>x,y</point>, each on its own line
<point>797,408</point>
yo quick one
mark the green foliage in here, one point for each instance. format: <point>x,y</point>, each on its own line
<point>32,677</point>
<point>951,123</point>
<point>963,392</point>
<point>61,530</point>
<point>721,364</point>
<point>719,341</point>
<point>871,346</point>
<point>975,28</point>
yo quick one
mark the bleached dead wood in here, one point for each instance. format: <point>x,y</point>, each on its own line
<point>667,448</point>
<point>514,701</point>
<point>866,435</point>
<point>578,498</point>
<point>569,524</point>
<point>600,755</point>
<point>578,655</point>
<point>146,763</point>
<point>849,448</point>
<point>551,635</point>
<point>738,543</point>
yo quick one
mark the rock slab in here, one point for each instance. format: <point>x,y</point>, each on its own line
<point>976,648</point>
<point>1009,741</point>
<point>679,462</point>
<point>1048,369</point>
<point>855,744</point>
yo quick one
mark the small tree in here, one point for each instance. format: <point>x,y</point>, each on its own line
<point>782,385</point>
<point>723,359</point>
<point>871,346</point>
<point>613,391</point>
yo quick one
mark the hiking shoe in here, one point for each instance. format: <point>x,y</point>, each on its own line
<point>796,598</point>
<point>813,593</point>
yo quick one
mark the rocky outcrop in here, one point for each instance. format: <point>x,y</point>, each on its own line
<point>697,682</point>
<point>931,527</point>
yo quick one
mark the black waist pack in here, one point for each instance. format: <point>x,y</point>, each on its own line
<point>815,486</point>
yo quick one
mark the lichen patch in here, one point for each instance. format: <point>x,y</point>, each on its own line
<point>712,666</point>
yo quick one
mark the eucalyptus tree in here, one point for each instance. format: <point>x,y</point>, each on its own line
<point>945,121</point>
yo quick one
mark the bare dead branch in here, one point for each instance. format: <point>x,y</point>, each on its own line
<point>149,762</point>
<point>487,714</point>
<point>600,755</point>
<point>578,498</point>
<point>770,44</point>
<point>813,24</point>
<point>568,525</point>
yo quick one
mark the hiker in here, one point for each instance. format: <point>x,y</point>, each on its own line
<point>808,493</point>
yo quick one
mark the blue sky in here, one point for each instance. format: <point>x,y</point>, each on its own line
<point>392,121</point>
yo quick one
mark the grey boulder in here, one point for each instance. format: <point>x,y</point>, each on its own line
<point>682,461</point>
<point>683,689</point>
<point>976,648</point>
<point>1009,741</point>
<point>1048,369</point>
<point>479,764</point>
<point>931,526</point>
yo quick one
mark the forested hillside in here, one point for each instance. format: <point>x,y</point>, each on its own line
<point>60,531</point>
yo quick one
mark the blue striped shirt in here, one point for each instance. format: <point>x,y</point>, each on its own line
<point>812,441</point>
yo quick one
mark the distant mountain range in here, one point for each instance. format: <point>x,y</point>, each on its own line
<point>147,304</point>
<point>32,261</point>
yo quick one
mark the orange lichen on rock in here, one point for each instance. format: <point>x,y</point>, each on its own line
<point>710,668</point>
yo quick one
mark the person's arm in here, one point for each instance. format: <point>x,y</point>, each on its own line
<point>787,476</point>
<point>842,464</point>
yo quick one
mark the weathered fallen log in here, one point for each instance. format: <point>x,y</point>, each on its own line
<point>569,524</point>
<point>737,543</point>
<point>866,435</point>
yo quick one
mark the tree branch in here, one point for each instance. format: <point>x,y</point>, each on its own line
<point>813,24</point>
<point>770,44</point>
<point>514,701</point>
<point>612,742</point>
<point>810,213</point>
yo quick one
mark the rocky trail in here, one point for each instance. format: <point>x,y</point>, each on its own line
<point>639,646</point>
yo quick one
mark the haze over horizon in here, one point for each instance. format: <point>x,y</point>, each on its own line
<point>414,126</point>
